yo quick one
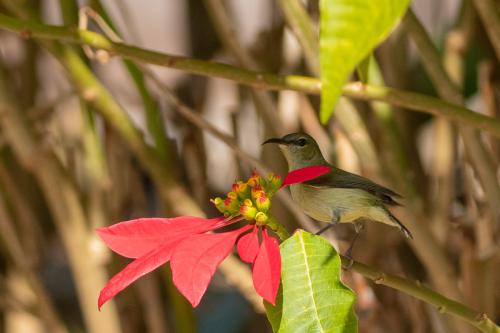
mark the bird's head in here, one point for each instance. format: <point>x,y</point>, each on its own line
<point>300,150</point>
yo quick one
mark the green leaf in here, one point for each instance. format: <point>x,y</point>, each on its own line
<point>349,31</point>
<point>312,297</point>
<point>363,68</point>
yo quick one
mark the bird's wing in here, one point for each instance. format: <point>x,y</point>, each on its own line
<point>342,179</point>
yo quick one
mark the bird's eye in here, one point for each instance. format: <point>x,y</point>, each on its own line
<point>301,142</point>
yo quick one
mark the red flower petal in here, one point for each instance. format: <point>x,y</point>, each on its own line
<point>135,270</point>
<point>196,258</point>
<point>305,174</point>
<point>135,238</point>
<point>248,246</point>
<point>266,269</point>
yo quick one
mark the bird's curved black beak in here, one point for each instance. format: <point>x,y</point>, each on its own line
<point>275,140</point>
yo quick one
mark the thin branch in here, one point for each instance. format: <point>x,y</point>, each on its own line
<point>299,21</point>
<point>489,13</point>
<point>223,26</point>
<point>413,101</point>
<point>417,290</point>
<point>20,258</point>
<point>284,82</point>
<point>346,112</point>
<point>198,121</point>
<point>174,194</point>
<point>448,90</point>
<point>63,201</point>
<point>434,258</point>
<point>104,22</point>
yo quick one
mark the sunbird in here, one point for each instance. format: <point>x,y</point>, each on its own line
<point>338,196</point>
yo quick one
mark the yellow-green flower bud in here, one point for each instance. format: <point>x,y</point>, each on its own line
<point>254,179</point>
<point>243,190</point>
<point>232,206</point>
<point>248,212</point>
<point>261,218</point>
<point>256,191</point>
<point>219,204</point>
<point>273,183</point>
<point>262,202</point>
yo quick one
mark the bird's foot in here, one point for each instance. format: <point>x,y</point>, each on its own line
<point>350,263</point>
<point>335,221</point>
<point>348,253</point>
<point>322,230</point>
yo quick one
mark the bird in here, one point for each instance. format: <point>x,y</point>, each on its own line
<point>337,196</point>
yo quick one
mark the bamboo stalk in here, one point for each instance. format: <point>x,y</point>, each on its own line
<point>64,202</point>
<point>449,90</point>
<point>263,101</point>
<point>438,264</point>
<point>20,258</point>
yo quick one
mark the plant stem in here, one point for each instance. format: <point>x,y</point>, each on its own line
<point>175,196</point>
<point>449,91</point>
<point>20,258</point>
<point>299,21</point>
<point>195,119</point>
<point>278,228</point>
<point>413,101</point>
<point>417,290</point>
<point>262,100</point>
<point>434,258</point>
<point>346,112</point>
<point>488,11</point>
<point>65,205</point>
<point>153,117</point>
<point>270,81</point>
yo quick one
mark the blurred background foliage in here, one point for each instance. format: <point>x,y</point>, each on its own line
<point>88,140</point>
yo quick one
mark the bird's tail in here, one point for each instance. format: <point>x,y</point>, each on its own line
<point>403,229</point>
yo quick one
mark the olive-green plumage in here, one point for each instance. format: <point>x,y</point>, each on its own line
<point>338,196</point>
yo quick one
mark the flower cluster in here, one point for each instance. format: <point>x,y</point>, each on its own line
<point>195,252</point>
<point>250,199</point>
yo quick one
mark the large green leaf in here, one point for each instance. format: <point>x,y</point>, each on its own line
<point>312,297</point>
<point>349,31</point>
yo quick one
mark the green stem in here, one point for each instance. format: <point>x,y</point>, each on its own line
<point>279,229</point>
<point>417,290</point>
<point>154,120</point>
<point>413,101</point>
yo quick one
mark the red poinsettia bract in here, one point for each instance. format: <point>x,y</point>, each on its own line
<point>194,251</point>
